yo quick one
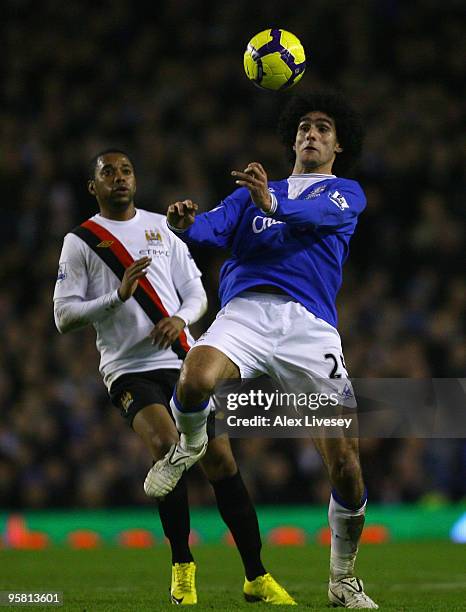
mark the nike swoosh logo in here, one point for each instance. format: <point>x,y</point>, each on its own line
<point>179,457</point>
<point>340,599</point>
<point>176,601</point>
<point>351,585</point>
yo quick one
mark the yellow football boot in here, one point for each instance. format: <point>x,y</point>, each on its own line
<point>265,588</point>
<point>183,587</point>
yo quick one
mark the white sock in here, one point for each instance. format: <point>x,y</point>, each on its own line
<point>346,527</point>
<point>192,425</point>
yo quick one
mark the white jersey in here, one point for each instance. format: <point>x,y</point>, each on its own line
<point>123,328</point>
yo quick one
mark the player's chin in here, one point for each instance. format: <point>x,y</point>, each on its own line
<point>310,157</point>
<point>121,199</point>
<point>310,165</point>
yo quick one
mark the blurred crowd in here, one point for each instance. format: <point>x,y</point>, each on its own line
<point>167,85</point>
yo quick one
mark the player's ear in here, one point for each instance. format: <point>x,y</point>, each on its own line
<point>338,149</point>
<point>91,187</point>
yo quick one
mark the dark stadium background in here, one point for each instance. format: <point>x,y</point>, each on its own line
<point>166,83</point>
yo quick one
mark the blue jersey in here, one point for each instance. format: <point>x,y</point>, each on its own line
<point>300,247</point>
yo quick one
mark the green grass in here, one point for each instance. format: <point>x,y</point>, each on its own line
<point>400,576</point>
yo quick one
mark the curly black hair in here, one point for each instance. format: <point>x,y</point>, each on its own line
<point>348,125</point>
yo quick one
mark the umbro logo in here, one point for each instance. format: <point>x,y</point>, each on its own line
<point>315,193</point>
<point>105,244</point>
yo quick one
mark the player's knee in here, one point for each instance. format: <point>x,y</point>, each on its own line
<point>195,384</point>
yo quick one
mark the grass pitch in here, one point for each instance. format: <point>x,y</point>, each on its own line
<point>400,576</point>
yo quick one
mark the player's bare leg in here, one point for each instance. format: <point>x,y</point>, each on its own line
<point>346,518</point>
<point>203,367</point>
<point>156,429</point>
<point>341,458</point>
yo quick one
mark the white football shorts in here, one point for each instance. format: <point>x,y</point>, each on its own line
<point>275,335</point>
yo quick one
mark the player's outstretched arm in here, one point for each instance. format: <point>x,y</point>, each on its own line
<point>181,215</point>
<point>214,228</point>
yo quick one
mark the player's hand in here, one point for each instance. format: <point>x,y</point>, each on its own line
<point>129,282</point>
<point>182,214</point>
<point>254,178</point>
<point>167,331</point>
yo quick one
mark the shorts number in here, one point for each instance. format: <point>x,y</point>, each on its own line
<point>334,373</point>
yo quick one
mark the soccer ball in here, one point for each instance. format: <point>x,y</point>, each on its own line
<point>274,59</point>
